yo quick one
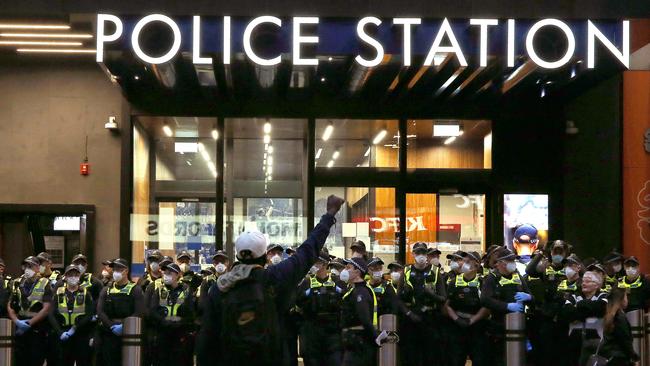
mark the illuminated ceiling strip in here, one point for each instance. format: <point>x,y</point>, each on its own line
<point>449,81</point>
<point>46,35</point>
<point>38,43</point>
<point>55,50</point>
<point>468,80</point>
<point>518,75</point>
<point>34,26</point>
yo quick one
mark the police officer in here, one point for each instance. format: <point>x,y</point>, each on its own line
<point>525,243</point>
<point>28,308</point>
<point>636,284</point>
<point>433,257</point>
<point>72,311</point>
<point>153,270</point>
<point>45,268</point>
<point>424,294</point>
<point>467,332</point>
<point>489,260</point>
<point>566,289</point>
<point>5,289</point>
<point>150,332</point>
<point>613,265</point>
<point>122,300</point>
<point>87,280</point>
<point>384,290</point>
<point>358,249</point>
<point>107,273</point>
<point>336,265</point>
<point>360,335</point>
<point>504,291</point>
<point>455,261</point>
<point>274,254</point>
<point>220,263</point>
<point>173,311</point>
<point>319,301</point>
<point>190,278</point>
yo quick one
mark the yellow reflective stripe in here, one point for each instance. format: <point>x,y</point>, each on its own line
<point>126,290</point>
<point>551,271</point>
<point>515,280</point>
<point>314,283</point>
<point>77,308</point>
<point>636,284</point>
<point>374,302</point>
<point>564,286</point>
<point>172,309</point>
<point>460,282</point>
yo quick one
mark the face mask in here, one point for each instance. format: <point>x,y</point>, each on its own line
<point>313,270</point>
<point>395,276</point>
<point>435,261</point>
<point>41,269</point>
<point>185,267</point>
<point>154,266</point>
<point>276,259</point>
<point>29,273</point>
<point>220,268</point>
<point>105,273</point>
<point>557,259</point>
<point>420,259</point>
<point>511,267</point>
<point>377,275</point>
<point>117,276</point>
<point>631,272</point>
<point>466,268</point>
<point>569,272</point>
<point>453,266</point>
<point>335,272</point>
<point>617,268</point>
<point>167,279</point>
<point>81,268</point>
<point>345,275</point>
<point>72,281</point>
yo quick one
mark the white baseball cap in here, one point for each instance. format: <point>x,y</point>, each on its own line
<point>251,241</point>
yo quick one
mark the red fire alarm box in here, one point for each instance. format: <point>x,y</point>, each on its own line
<point>84,169</point>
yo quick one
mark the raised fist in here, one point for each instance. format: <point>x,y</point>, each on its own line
<point>334,204</point>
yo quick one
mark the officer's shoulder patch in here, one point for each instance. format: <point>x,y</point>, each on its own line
<point>359,298</point>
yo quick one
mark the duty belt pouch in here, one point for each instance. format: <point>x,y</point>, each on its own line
<point>351,339</point>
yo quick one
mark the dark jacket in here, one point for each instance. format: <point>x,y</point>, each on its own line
<point>617,344</point>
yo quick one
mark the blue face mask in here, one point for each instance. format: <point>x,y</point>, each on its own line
<point>557,259</point>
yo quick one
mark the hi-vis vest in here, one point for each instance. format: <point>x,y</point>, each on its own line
<point>515,280</point>
<point>460,282</point>
<point>374,303</point>
<point>564,286</point>
<point>314,283</point>
<point>78,308</point>
<point>407,276</point>
<point>34,298</point>
<point>171,308</point>
<point>636,284</point>
<point>381,288</point>
<point>126,290</point>
<point>550,272</point>
<point>86,281</point>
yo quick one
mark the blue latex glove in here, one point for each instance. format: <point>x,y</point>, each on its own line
<point>522,297</point>
<point>22,326</point>
<point>117,329</point>
<point>515,307</point>
<point>64,336</point>
<point>308,292</point>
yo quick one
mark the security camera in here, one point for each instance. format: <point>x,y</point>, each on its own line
<point>111,125</point>
<point>571,128</point>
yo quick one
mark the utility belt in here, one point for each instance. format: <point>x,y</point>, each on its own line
<point>464,315</point>
<point>352,337</point>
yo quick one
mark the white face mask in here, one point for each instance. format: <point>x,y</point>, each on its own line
<point>466,268</point>
<point>167,279</point>
<point>220,268</point>
<point>81,268</point>
<point>41,269</point>
<point>184,267</point>
<point>313,269</point>
<point>631,272</point>
<point>335,272</point>
<point>72,281</point>
<point>453,266</point>
<point>377,275</point>
<point>421,259</point>
<point>29,273</point>
<point>395,276</point>
<point>435,261</point>
<point>569,272</point>
<point>154,266</point>
<point>117,276</point>
<point>511,267</point>
<point>276,259</point>
<point>105,273</point>
<point>617,268</point>
<point>345,275</point>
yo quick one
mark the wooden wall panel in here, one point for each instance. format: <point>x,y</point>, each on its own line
<point>429,154</point>
<point>141,188</point>
<point>385,209</point>
<point>424,206</point>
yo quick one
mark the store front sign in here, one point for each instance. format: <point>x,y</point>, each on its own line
<point>370,39</point>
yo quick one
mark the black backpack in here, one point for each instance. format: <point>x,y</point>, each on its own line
<point>249,327</point>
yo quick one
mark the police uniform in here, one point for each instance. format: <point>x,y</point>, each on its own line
<point>359,322</point>
<point>5,291</point>
<point>150,332</point>
<point>172,312</point>
<point>28,298</point>
<point>638,290</point>
<point>566,290</point>
<point>72,309</point>
<point>319,301</point>
<point>423,293</point>
<point>115,304</point>
<point>499,290</point>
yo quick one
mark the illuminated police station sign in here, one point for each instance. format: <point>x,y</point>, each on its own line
<point>476,38</point>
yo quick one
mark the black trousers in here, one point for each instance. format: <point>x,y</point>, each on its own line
<point>320,344</point>
<point>174,347</point>
<point>467,342</point>
<point>73,350</point>
<point>31,348</point>
<point>365,354</point>
<point>110,349</point>
<point>420,343</point>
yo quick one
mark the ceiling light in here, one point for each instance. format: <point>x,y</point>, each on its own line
<point>450,140</point>
<point>269,171</point>
<point>328,132</point>
<point>186,147</point>
<point>270,178</point>
<point>214,173</point>
<point>270,160</point>
<point>188,163</point>
<point>205,155</point>
<point>330,164</point>
<point>55,50</point>
<point>267,139</point>
<point>201,146</point>
<point>167,130</point>
<point>212,166</point>
<point>34,26</point>
<point>367,152</point>
<point>39,43</point>
<point>322,79</point>
<point>336,155</point>
<point>446,130</point>
<point>267,128</point>
<point>270,149</point>
<point>215,134</point>
<point>380,136</point>
<point>329,58</point>
<point>320,151</point>
<point>46,35</point>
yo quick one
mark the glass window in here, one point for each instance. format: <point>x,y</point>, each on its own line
<point>369,215</point>
<point>356,143</point>
<point>449,144</point>
<point>265,179</point>
<point>174,188</point>
<point>447,222</point>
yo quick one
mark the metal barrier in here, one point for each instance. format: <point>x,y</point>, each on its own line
<point>132,341</point>
<point>515,339</point>
<point>636,324</point>
<point>388,351</point>
<point>646,361</point>
<point>6,341</point>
